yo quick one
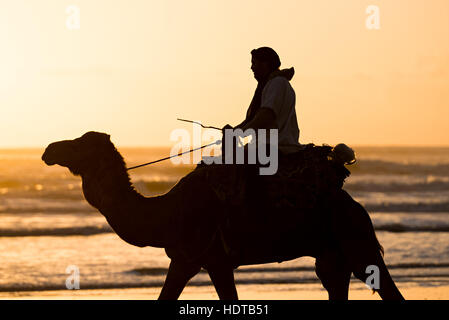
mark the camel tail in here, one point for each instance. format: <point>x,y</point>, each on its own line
<point>380,247</point>
<point>382,253</point>
<point>381,250</point>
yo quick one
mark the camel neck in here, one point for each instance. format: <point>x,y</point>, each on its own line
<point>136,219</point>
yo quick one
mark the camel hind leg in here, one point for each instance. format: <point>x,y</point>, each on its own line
<point>334,274</point>
<point>357,239</point>
<point>387,289</point>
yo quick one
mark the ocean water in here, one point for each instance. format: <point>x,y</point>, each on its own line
<point>46,225</point>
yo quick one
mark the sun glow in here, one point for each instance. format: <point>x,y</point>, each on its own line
<point>132,70</point>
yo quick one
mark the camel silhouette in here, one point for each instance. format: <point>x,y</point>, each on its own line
<point>186,222</point>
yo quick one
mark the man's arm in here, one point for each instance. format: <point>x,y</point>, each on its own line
<point>265,118</point>
<point>271,104</point>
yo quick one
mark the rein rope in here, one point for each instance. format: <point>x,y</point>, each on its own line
<point>181,153</point>
<point>176,155</point>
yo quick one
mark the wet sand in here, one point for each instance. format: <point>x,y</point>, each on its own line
<point>247,292</point>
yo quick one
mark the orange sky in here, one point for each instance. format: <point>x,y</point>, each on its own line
<point>133,67</point>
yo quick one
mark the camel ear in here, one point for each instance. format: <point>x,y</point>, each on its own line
<point>105,136</point>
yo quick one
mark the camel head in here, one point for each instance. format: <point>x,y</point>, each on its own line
<point>80,154</point>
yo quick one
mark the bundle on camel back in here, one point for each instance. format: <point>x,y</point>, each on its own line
<point>190,224</point>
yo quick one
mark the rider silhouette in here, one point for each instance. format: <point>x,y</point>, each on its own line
<point>273,103</point>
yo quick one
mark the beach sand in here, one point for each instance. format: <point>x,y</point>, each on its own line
<point>247,292</point>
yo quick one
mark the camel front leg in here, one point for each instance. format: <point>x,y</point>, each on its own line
<point>179,273</point>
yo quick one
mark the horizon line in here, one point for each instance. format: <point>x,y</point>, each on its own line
<point>169,146</point>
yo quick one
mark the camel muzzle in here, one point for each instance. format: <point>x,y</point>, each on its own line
<point>57,153</point>
<point>47,158</point>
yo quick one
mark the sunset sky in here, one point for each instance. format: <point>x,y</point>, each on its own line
<point>134,66</point>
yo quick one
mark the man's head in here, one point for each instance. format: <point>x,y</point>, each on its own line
<point>264,61</point>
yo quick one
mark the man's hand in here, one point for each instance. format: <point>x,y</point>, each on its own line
<point>227,126</point>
